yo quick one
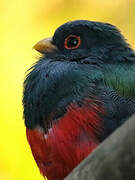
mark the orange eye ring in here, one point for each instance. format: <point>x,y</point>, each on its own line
<point>72,42</point>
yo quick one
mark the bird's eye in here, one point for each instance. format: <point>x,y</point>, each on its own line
<point>72,42</point>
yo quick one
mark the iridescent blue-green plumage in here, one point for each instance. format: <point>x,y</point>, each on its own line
<point>121,77</point>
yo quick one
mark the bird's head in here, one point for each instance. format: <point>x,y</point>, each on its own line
<point>77,40</point>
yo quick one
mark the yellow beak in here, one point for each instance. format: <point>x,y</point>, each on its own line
<point>45,45</point>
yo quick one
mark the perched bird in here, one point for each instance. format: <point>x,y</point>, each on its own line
<point>79,91</point>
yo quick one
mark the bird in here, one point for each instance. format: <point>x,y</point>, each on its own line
<point>80,90</point>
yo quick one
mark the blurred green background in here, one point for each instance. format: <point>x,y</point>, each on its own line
<point>23,23</point>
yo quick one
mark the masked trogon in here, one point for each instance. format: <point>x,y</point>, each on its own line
<point>79,91</point>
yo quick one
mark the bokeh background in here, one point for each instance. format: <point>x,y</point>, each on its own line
<point>22,24</point>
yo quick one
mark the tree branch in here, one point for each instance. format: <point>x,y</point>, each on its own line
<point>114,159</point>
